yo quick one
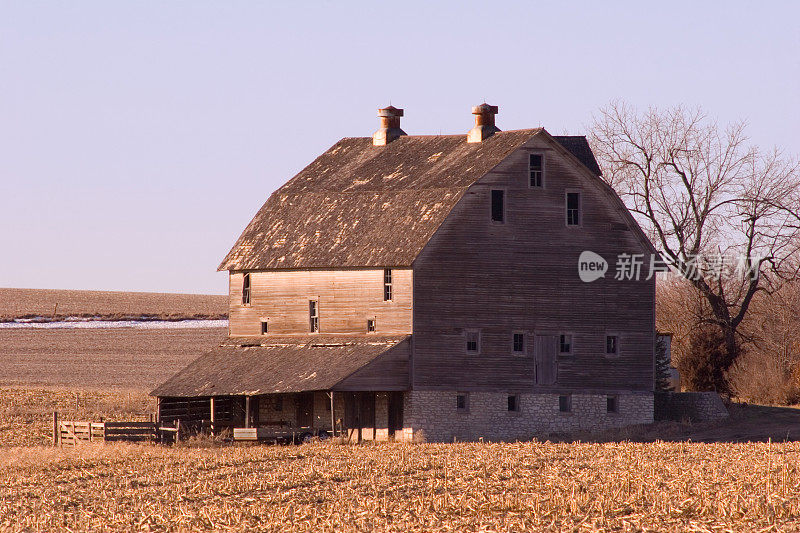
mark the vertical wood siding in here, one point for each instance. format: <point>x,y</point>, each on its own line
<point>347,299</point>
<point>522,275</point>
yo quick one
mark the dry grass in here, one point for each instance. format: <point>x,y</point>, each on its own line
<point>20,303</point>
<point>396,487</point>
<point>463,487</point>
<point>26,412</point>
<point>121,358</point>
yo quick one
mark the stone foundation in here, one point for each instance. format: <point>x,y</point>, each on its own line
<point>433,416</point>
<point>695,406</point>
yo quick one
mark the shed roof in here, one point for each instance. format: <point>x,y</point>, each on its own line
<point>278,364</point>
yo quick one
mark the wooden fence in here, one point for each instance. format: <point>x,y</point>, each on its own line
<point>73,433</point>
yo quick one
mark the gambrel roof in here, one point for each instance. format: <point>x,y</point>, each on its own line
<point>359,205</point>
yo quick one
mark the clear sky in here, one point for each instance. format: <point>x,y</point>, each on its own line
<point>137,139</point>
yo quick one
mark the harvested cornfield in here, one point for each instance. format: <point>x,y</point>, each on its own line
<point>58,304</point>
<point>26,413</point>
<point>466,487</point>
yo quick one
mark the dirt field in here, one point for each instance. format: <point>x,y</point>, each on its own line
<point>20,303</point>
<point>396,487</point>
<point>102,358</point>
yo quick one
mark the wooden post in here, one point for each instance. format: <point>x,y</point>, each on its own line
<point>212,416</point>
<point>55,428</point>
<point>177,431</point>
<point>333,418</point>
<point>247,411</point>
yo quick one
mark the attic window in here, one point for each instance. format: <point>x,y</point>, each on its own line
<point>371,325</point>
<point>313,316</point>
<point>498,206</point>
<point>573,209</point>
<point>246,289</point>
<point>387,284</point>
<point>536,170</point>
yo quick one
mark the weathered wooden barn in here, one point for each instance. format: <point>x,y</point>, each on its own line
<point>427,286</point>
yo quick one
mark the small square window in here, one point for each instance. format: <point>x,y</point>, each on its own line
<point>473,341</point>
<point>513,402</point>
<point>371,325</point>
<point>565,404</point>
<point>612,345</point>
<point>462,402</point>
<point>612,405</point>
<point>565,344</point>
<point>519,342</point>
<point>264,327</point>
<point>536,170</point>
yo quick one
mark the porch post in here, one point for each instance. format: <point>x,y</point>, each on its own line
<point>247,411</point>
<point>212,415</point>
<point>333,417</point>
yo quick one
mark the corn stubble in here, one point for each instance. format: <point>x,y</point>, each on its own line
<point>399,487</point>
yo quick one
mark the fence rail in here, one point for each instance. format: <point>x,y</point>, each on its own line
<point>73,433</point>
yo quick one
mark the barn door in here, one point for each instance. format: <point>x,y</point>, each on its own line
<point>395,413</point>
<point>544,353</point>
<point>305,409</point>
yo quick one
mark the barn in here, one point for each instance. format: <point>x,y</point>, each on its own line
<point>429,287</point>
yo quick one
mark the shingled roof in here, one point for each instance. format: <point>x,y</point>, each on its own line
<point>279,364</point>
<point>358,205</point>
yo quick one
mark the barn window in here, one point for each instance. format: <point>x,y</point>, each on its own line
<point>277,404</point>
<point>264,327</point>
<point>565,344</point>
<point>612,405</point>
<point>536,170</point>
<point>498,206</point>
<point>313,316</point>
<point>573,209</point>
<point>612,345</point>
<point>473,338</point>
<point>513,403</point>
<point>371,325</point>
<point>518,342</point>
<point>565,403</point>
<point>246,289</point>
<point>462,402</point>
<point>387,284</point>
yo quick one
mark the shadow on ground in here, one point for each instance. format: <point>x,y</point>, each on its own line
<point>747,423</point>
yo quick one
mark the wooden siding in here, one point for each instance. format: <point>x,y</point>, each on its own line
<point>347,299</point>
<point>389,372</point>
<point>523,276</point>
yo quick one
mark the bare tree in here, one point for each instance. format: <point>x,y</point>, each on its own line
<point>705,196</point>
